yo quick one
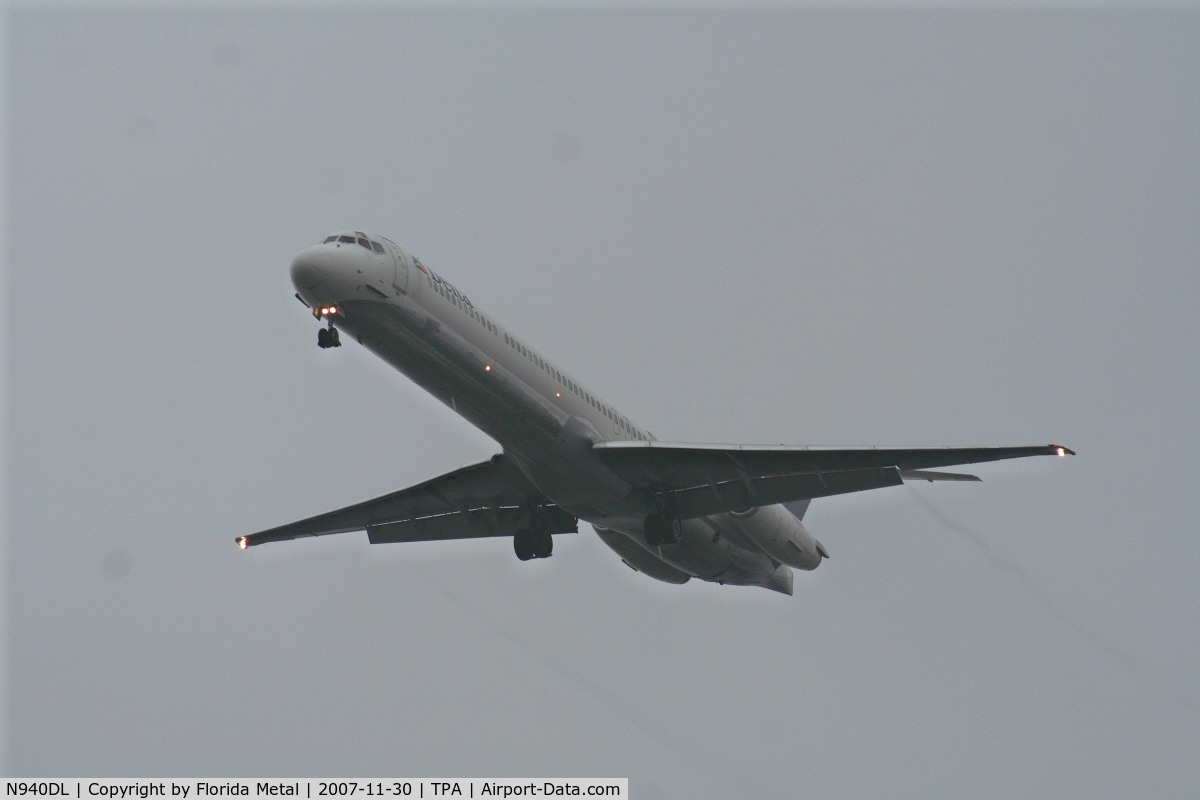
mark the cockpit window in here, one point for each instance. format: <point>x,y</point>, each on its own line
<point>365,243</point>
<point>331,238</point>
<point>377,247</point>
<point>347,239</point>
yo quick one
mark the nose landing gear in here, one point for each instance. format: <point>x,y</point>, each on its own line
<point>328,337</point>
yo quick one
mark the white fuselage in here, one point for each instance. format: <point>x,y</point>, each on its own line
<point>544,419</point>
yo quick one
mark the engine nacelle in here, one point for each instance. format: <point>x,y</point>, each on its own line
<point>642,560</point>
<point>780,535</point>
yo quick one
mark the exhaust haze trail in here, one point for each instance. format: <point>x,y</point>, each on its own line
<point>1044,599</point>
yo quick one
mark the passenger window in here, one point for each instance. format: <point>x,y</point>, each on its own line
<point>377,247</point>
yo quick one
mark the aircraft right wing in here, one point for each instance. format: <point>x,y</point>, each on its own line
<point>491,498</point>
<point>694,480</point>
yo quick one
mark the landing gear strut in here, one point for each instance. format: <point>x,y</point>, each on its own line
<point>662,529</point>
<point>533,544</point>
<point>328,337</point>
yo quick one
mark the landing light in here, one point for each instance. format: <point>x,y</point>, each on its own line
<point>1062,451</point>
<point>558,394</point>
<point>488,368</point>
<point>242,542</point>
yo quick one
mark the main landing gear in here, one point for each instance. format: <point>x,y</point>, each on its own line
<point>328,337</point>
<point>533,544</point>
<point>662,529</point>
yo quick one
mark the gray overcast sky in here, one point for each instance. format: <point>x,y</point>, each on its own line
<point>858,227</point>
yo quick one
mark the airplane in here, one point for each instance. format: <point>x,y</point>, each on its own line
<point>729,514</point>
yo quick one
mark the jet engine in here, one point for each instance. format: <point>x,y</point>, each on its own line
<point>640,559</point>
<point>779,534</point>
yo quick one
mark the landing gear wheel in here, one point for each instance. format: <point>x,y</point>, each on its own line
<point>662,529</point>
<point>533,544</point>
<point>328,337</point>
<point>523,545</point>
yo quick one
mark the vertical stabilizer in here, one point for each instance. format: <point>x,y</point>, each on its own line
<point>798,507</point>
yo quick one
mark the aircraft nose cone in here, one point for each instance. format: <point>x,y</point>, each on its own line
<point>311,268</point>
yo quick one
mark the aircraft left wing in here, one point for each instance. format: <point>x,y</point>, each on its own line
<point>491,498</point>
<point>694,480</point>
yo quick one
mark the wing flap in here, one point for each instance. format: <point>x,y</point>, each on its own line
<point>927,475</point>
<point>475,524</point>
<point>753,491</point>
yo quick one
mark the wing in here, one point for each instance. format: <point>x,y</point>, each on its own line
<point>488,499</point>
<point>694,480</point>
